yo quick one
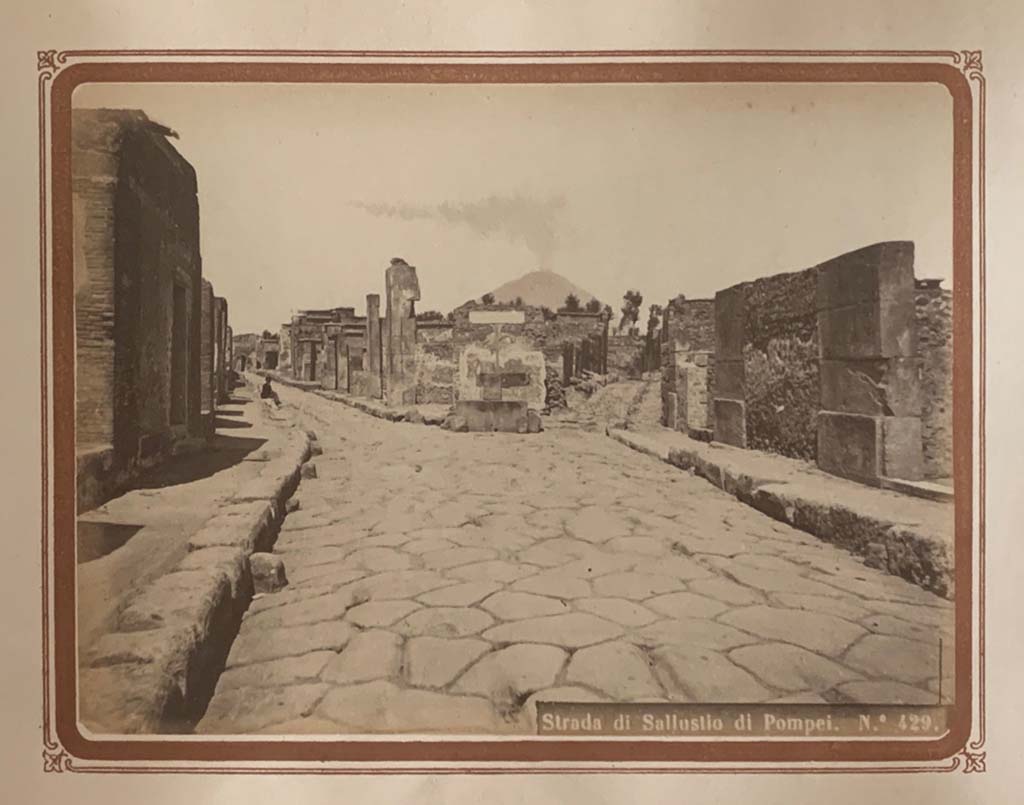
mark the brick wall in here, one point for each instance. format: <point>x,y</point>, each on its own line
<point>138,288</point>
<point>687,363</point>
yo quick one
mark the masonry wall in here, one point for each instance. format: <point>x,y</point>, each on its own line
<point>625,355</point>
<point>934,318</point>
<point>207,368</point>
<point>138,293</point>
<point>436,363</point>
<point>687,364</point>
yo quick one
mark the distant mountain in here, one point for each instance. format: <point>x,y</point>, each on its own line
<point>541,288</point>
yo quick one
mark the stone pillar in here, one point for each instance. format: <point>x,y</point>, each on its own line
<point>729,402</point>
<point>869,426</point>
<point>374,360</point>
<point>403,290</point>
<point>207,379</point>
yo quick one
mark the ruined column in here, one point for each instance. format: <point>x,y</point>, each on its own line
<point>374,360</point>
<point>869,426</point>
<point>207,378</point>
<point>729,401</point>
<point>403,290</point>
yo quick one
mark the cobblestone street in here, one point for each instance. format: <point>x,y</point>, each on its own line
<point>446,581</point>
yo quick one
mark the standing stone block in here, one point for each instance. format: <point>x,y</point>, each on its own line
<point>374,358</point>
<point>876,387</point>
<point>403,290</point>
<point>850,445</point>
<point>881,328</point>
<point>731,422</point>
<point>729,318</point>
<point>903,455</point>
<point>670,410</point>
<point>268,574</point>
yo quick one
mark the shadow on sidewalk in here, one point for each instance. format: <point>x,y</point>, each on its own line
<point>223,452</point>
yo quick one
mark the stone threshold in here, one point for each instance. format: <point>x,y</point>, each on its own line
<point>157,672</point>
<point>910,537</point>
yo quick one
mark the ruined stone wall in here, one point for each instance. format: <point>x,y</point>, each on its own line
<point>284,360</point>
<point>625,355</point>
<point>934,318</point>
<point>220,308</point>
<point>780,360</point>
<point>208,378</point>
<point>687,364</point>
<point>436,363</point>
<point>138,289</point>
<point>244,347</point>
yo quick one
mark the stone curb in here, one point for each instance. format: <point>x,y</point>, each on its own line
<point>902,549</point>
<point>157,672</point>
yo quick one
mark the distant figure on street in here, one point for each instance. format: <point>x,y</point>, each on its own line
<point>267,393</point>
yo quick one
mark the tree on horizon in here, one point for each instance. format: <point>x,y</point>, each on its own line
<point>571,304</point>
<point>631,302</point>
<point>487,299</point>
<point>593,306</point>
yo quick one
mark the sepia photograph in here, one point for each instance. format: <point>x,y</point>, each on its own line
<point>512,409</point>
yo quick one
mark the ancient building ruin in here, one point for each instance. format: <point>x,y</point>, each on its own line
<point>143,366</point>
<point>846,364</point>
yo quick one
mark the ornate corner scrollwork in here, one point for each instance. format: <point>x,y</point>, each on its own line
<point>974,762</point>
<point>969,61</point>
<point>57,761</point>
<point>46,60</point>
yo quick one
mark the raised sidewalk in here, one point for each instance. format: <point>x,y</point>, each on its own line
<point>907,536</point>
<point>152,668</point>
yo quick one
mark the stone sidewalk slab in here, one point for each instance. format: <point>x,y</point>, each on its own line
<point>906,536</point>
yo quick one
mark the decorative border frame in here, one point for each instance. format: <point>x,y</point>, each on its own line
<point>58,72</point>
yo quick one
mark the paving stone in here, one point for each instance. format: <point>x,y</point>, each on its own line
<point>383,707</point>
<point>433,662</point>
<point>766,562</point>
<point>635,586</point>
<point>679,567</point>
<point>692,631</point>
<point>374,654</point>
<point>505,676</point>
<point>596,524</point>
<point>885,692</point>
<point>399,584</point>
<point>277,673</point>
<point>804,697</point>
<point>571,630</point>
<point>824,634</point>
<point>310,725</point>
<point>336,573</point>
<point>694,674</point>
<point>444,622</point>
<point>422,546</point>
<point>597,564</point>
<point>380,613</point>
<point>617,669</point>
<point>937,617</point>
<point>304,556</point>
<point>554,585</point>
<point>641,545</point>
<point>260,645</point>
<point>775,581</point>
<point>789,667</point>
<point>453,557</point>
<point>330,606</point>
<point>494,570</point>
<point>618,610</point>
<point>726,591</point>
<point>460,595</point>
<point>886,624</point>
<point>846,608</point>
<point>878,586</point>
<point>238,711</point>
<point>894,658</point>
<point>511,606</point>
<point>378,559</point>
<point>686,605</point>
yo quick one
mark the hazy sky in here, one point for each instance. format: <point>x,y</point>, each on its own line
<point>307,191</point>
